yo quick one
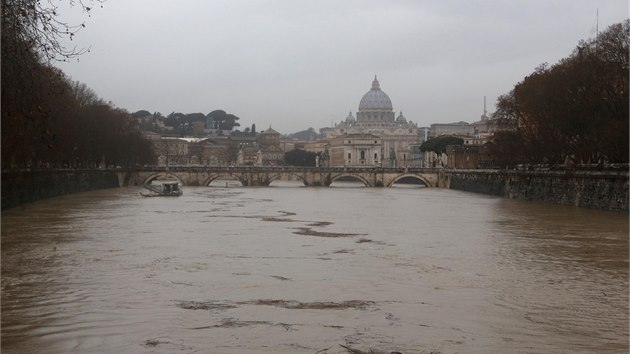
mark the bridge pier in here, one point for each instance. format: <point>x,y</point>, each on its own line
<point>255,179</point>
<point>317,179</point>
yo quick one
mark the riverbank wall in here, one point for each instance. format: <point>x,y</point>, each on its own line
<point>25,186</point>
<point>603,189</point>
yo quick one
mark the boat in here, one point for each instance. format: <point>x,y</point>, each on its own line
<point>164,189</point>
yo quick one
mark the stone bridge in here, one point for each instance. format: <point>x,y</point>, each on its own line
<point>263,176</point>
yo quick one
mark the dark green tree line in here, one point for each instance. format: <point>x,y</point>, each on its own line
<point>439,144</point>
<point>300,158</point>
<point>224,121</point>
<point>575,110</point>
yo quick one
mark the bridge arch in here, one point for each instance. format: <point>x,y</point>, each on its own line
<point>226,176</point>
<point>409,175</point>
<point>299,177</point>
<point>355,176</point>
<point>163,175</point>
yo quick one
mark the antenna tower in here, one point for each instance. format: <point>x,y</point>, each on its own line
<point>597,31</point>
<point>597,23</point>
<point>485,112</point>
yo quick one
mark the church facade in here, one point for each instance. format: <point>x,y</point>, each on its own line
<point>395,135</point>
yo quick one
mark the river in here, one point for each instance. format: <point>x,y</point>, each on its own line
<point>312,270</point>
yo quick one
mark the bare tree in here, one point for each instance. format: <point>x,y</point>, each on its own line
<point>84,95</point>
<point>35,24</point>
<point>574,110</point>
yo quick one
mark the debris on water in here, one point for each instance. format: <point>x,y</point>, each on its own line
<point>152,342</point>
<point>320,223</point>
<point>208,305</point>
<point>286,213</point>
<point>367,240</point>
<point>334,326</point>
<point>371,351</point>
<point>280,278</point>
<point>236,323</point>
<point>326,305</point>
<point>181,283</point>
<point>287,304</point>
<point>307,231</point>
<point>390,316</point>
<point>275,219</point>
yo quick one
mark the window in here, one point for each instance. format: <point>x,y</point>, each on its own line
<point>362,155</point>
<point>375,156</point>
<point>349,156</point>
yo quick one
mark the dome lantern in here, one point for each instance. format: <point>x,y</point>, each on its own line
<point>375,84</point>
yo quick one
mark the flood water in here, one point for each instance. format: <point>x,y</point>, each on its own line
<point>311,270</point>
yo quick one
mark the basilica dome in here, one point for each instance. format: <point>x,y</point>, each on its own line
<point>375,99</point>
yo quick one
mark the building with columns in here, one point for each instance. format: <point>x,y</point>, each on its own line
<point>355,150</point>
<point>376,117</point>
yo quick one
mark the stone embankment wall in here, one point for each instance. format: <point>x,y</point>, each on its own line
<point>604,189</point>
<point>25,186</point>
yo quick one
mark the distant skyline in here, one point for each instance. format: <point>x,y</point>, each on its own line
<point>298,64</point>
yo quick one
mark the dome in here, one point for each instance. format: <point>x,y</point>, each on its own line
<point>269,131</point>
<point>350,118</point>
<point>375,99</point>
<point>401,119</point>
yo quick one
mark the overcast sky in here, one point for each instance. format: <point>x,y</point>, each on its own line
<point>297,64</point>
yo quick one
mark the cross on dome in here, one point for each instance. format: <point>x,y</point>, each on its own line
<point>375,84</point>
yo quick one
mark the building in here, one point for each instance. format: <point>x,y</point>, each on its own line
<point>478,132</point>
<point>287,144</point>
<point>269,145</point>
<point>468,157</point>
<point>212,154</point>
<point>376,117</point>
<point>317,146</point>
<point>355,150</point>
<point>458,129</point>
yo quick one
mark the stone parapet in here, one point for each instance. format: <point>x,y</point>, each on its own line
<point>596,189</point>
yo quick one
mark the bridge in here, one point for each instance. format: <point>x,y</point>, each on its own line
<point>265,175</point>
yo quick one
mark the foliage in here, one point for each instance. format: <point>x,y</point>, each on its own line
<point>33,25</point>
<point>576,109</point>
<point>224,120</point>
<point>300,158</point>
<point>47,119</point>
<point>183,123</point>
<point>142,114</point>
<point>438,144</point>
<point>306,135</point>
<point>506,148</point>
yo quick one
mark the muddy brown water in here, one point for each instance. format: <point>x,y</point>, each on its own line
<point>312,270</point>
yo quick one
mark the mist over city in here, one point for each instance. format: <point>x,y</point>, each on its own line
<point>328,177</point>
<point>294,65</point>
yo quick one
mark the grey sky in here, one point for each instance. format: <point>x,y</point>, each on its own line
<point>299,64</point>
